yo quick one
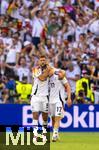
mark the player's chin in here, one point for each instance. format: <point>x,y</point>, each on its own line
<point>43,65</point>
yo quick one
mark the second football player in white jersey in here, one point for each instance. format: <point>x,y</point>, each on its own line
<point>58,86</point>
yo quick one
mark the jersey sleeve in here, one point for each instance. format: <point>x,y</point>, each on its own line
<point>64,80</point>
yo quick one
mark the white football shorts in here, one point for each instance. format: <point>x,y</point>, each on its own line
<point>39,103</point>
<point>56,109</point>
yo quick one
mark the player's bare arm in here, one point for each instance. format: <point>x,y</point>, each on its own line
<point>68,89</point>
<point>66,85</point>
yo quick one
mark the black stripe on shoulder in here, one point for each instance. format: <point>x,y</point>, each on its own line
<point>36,90</point>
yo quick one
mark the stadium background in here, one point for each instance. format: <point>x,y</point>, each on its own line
<point>67,31</point>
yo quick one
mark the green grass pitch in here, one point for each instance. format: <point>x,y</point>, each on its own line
<point>77,141</point>
<point>68,141</point>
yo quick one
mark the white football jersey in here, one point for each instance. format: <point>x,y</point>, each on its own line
<point>40,88</point>
<point>57,90</point>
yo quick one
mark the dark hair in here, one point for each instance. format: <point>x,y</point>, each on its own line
<point>96,39</point>
<point>70,38</point>
<point>97,59</point>
<point>81,93</point>
<point>30,7</point>
<point>37,12</point>
<point>88,31</point>
<point>42,56</point>
<point>24,78</point>
<point>84,84</point>
<point>11,75</point>
<point>83,34</point>
<point>22,57</point>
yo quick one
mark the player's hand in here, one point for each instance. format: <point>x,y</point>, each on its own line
<point>49,67</point>
<point>69,102</point>
<point>46,69</point>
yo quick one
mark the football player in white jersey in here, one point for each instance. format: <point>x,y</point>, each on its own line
<point>39,96</point>
<point>58,86</point>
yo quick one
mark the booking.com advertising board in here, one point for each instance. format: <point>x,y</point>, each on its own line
<point>78,118</point>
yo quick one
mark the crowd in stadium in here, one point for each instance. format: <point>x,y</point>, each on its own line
<point>66,31</point>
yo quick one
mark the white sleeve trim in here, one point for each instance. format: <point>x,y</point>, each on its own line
<point>64,80</point>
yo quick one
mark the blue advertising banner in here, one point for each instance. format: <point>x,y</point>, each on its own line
<point>78,118</point>
<point>11,114</point>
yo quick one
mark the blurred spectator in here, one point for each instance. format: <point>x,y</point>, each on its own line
<point>95,72</point>
<point>22,69</point>
<point>24,90</point>
<point>84,91</point>
<point>72,74</point>
<point>4,6</point>
<point>10,85</point>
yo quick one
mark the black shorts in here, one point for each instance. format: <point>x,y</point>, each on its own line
<point>36,41</point>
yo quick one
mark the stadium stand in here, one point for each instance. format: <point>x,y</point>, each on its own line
<point>67,31</point>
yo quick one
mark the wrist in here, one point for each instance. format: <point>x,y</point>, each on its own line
<point>69,99</point>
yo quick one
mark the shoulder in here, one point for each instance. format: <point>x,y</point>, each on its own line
<point>61,74</point>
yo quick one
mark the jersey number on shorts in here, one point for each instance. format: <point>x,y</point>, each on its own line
<point>59,109</point>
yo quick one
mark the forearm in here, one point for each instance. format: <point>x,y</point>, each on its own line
<point>5,99</point>
<point>32,52</point>
<point>45,5</point>
<point>17,57</point>
<point>79,3</point>
<point>68,89</point>
<point>33,11</point>
<point>94,77</point>
<point>9,66</point>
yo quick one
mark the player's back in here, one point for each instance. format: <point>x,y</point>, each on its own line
<point>57,90</point>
